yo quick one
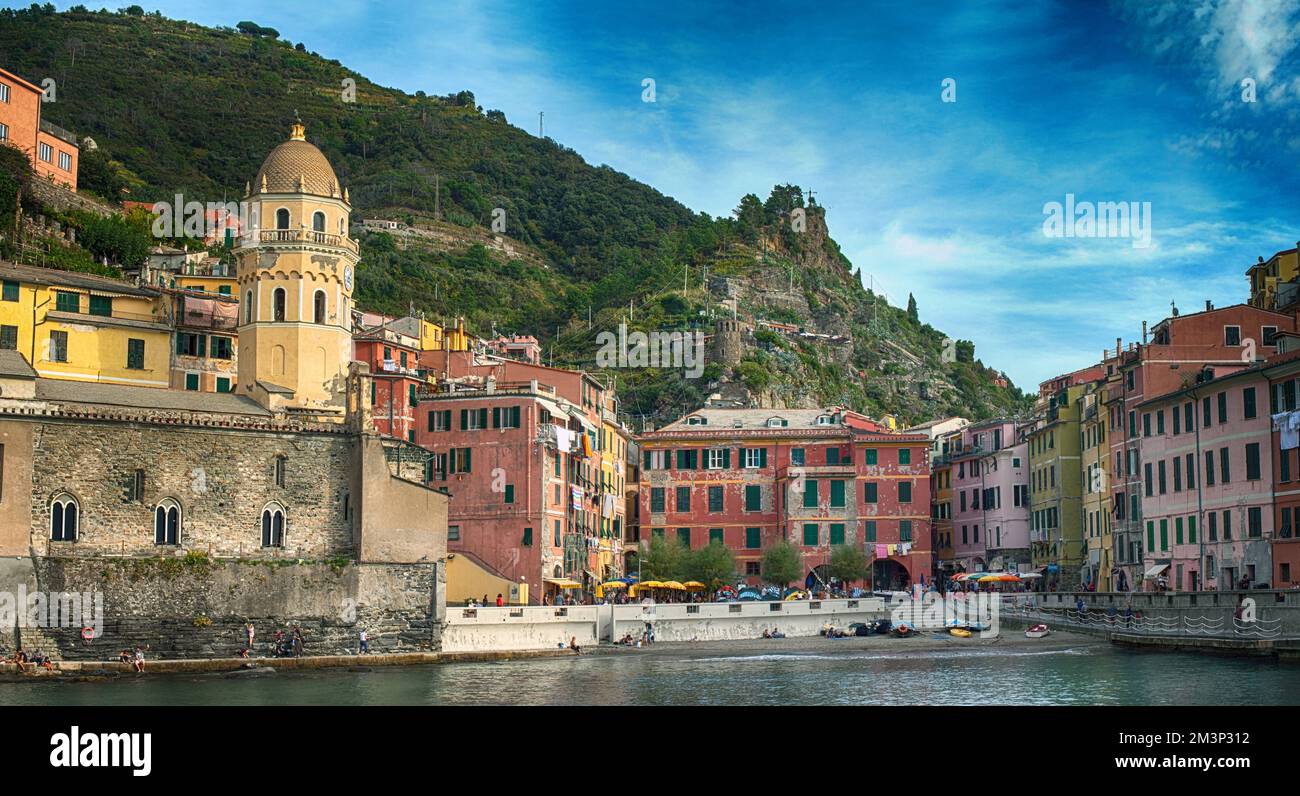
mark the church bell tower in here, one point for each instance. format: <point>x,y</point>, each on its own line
<point>296,271</point>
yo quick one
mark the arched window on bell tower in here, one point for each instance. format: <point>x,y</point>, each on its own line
<point>278,302</point>
<point>318,307</point>
<point>318,221</point>
<point>282,218</point>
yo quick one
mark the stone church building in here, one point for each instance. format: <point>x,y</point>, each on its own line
<point>196,513</point>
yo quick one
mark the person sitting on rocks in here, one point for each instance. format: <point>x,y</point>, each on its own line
<point>573,645</point>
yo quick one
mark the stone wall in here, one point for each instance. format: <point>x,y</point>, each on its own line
<point>196,607</point>
<point>222,479</point>
<point>56,197</point>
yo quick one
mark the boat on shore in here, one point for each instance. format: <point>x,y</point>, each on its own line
<point>1037,631</point>
<point>959,632</point>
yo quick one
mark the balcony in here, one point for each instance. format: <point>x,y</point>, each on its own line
<point>307,236</point>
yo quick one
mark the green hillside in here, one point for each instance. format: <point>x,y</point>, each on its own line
<point>178,107</point>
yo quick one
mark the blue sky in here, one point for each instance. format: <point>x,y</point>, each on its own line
<point>1110,102</point>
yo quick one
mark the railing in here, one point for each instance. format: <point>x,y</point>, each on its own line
<point>307,236</point>
<point>1211,627</point>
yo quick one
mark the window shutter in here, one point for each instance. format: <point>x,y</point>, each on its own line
<point>496,417</point>
<point>762,457</point>
<point>464,419</point>
<point>468,452</point>
<point>646,460</point>
<point>203,345</point>
<point>726,458</point>
<point>514,417</point>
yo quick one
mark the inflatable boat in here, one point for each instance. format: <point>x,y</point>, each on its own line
<point>960,632</point>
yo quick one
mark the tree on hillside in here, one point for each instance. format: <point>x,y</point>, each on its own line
<point>912,314</point>
<point>781,564</point>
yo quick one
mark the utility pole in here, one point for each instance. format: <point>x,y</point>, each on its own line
<point>540,128</point>
<point>437,195</point>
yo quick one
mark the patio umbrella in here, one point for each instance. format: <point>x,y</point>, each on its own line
<point>674,585</point>
<point>694,585</point>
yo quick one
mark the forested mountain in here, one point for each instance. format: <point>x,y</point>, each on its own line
<point>178,107</point>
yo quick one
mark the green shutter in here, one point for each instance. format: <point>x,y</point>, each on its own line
<point>762,457</point>
<point>496,417</point>
<point>203,345</point>
<point>528,537</point>
<point>869,455</point>
<point>468,452</point>
<point>837,494</point>
<point>514,417</point>
<point>837,533</point>
<point>1164,534</point>
<point>870,531</point>
<point>810,493</point>
<point>905,531</point>
<point>810,534</point>
<point>753,498</point>
<point>464,419</point>
<point>510,493</point>
<point>869,492</point>
<point>1151,536</point>
<point>1178,530</point>
<point>715,535</point>
<point>726,458</point>
<point>753,538</point>
<point>905,456</point>
<point>1191,530</point>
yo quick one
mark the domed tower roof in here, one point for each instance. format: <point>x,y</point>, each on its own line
<point>297,166</point>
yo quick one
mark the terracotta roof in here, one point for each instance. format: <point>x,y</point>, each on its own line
<point>53,276</point>
<point>81,392</point>
<point>13,365</point>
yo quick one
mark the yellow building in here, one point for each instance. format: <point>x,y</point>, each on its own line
<point>1095,468</point>
<point>1266,275</point>
<point>1056,537</point>
<point>84,327</point>
<point>615,439</point>
<point>295,274</point>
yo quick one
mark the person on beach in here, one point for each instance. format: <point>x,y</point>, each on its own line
<point>365,642</point>
<point>297,642</point>
<point>248,631</point>
<point>573,645</point>
<point>500,601</point>
<point>139,660</point>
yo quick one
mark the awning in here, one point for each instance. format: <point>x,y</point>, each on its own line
<point>577,414</point>
<point>552,407</point>
<point>564,583</point>
<point>1156,570</point>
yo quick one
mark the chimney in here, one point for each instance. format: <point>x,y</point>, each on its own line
<point>1209,305</point>
<point>1119,344</point>
<point>1144,333</point>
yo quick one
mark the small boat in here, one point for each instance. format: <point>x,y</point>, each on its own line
<point>1037,631</point>
<point>903,631</point>
<point>960,632</point>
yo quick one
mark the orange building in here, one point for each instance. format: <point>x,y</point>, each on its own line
<point>51,149</point>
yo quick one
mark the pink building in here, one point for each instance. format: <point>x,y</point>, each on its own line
<point>1207,484</point>
<point>990,497</point>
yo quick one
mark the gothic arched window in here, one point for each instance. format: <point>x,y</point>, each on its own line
<point>273,525</point>
<point>318,306</point>
<point>282,218</point>
<point>278,297</point>
<point>167,522</point>
<point>65,516</point>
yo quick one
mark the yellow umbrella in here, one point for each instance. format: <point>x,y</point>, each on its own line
<point>674,585</point>
<point>694,585</point>
<point>990,579</point>
<point>650,584</point>
<point>614,584</point>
